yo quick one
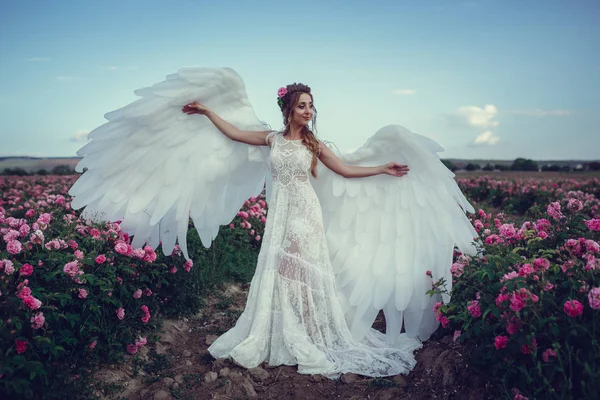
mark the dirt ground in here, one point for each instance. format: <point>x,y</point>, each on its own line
<point>179,366</point>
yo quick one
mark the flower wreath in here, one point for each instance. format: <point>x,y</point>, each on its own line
<point>281,92</point>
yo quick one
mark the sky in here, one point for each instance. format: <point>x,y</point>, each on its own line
<point>488,79</point>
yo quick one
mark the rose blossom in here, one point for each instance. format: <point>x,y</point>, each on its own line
<point>31,302</point>
<point>593,224</point>
<point>21,346</point>
<point>100,259</point>
<point>188,265</point>
<point>9,268</point>
<point>132,348</point>
<point>37,321</point>
<point>474,309</point>
<point>26,270</point>
<point>121,248</point>
<point>594,298</point>
<point>82,293</point>
<point>574,205</point>
<point>281,92</point>
<point>71,268</point>
<point>547,354</point>
<point>120,313</point>
<point>554,210</point>
<point>93,344</point>
<point>500,342</point>
<point>14,247</point>
<point>137,294</point>
<point>573,308</point>
<point>140,342</point>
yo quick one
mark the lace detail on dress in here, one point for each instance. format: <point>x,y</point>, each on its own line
<point>293,315</point>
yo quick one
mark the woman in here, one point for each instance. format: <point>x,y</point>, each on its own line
<point>293,314</point>
<point>336,249</point>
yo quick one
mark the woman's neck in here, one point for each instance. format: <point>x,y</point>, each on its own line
<point>295,132</point>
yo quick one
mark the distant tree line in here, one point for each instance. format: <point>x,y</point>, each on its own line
<point>62,169</point>
<point>522,164</point>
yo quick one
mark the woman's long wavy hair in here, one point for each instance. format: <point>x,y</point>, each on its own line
<point>291,98</point>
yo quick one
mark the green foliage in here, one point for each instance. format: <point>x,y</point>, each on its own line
<point>524,164</point>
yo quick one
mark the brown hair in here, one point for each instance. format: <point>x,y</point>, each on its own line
<point>290,100</point>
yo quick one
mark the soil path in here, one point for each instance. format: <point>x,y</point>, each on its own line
<point>179,366</point>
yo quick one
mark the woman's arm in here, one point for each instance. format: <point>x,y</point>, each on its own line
<point>332,162</point>
<point>257,138</point>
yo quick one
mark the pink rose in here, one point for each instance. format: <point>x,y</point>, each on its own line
<point>593,224</point>
<point>457,270</point>
<point>26,270</point>
<point>82,293</point>
<point>456,336</point>
<point>574,205</point>
<point>594,298</point>
<point>71,268</point>
<point>121,248</point>
<point>500,342</point>
<point>14,247</point>
<point>31,302</point>
<point>30,213</point>
<point>120,313</point>
<point>37,321</point>
<point>573,308</point>
<point>554,210</point>
<point>100,259</point>
<point>132,348</point>
<point>137,294</point>
<point>140,342</point>
<point>21,346</point>
<point>9,268</point>
<point>547,354</point>
<point>281,92</point>
<point>474,309</point>
<point>188,265</point>
<point>93,344</point>
<point>78,254</point>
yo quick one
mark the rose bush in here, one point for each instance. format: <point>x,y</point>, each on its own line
<point>73,292</point>
<point>529,307</point>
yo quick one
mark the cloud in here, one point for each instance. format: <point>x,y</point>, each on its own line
<point>66,78</point>
<point>80,136</point>
<point>405,92</point>
<point>38,59</point>
<point>127,68</point>
<point>479,117</point>
<point>538,112</point>
<point>486,138</point>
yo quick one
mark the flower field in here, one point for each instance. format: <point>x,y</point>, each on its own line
<point>74,293</point>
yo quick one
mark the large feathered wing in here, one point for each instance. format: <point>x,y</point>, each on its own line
<point>152,166</point>
<point>384,233</point>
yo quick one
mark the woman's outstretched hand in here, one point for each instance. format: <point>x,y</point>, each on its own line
<point>195,108</point>
<point>395,169</point>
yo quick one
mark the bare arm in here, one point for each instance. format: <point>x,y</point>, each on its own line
<point>232,132</point>
<point>332,162</point>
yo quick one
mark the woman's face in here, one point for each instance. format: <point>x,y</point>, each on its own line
<point>303,111</point>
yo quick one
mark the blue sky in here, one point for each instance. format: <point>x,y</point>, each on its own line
<point>485,78</point>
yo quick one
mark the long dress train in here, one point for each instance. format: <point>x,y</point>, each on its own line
<point>293,315</point>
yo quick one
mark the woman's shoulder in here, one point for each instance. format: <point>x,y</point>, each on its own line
<point>272,136</point>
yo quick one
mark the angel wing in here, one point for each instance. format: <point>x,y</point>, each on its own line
<point>151,165</point>
<point>385,232</point>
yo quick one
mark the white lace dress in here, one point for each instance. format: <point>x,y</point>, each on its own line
<point>293,315</point>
